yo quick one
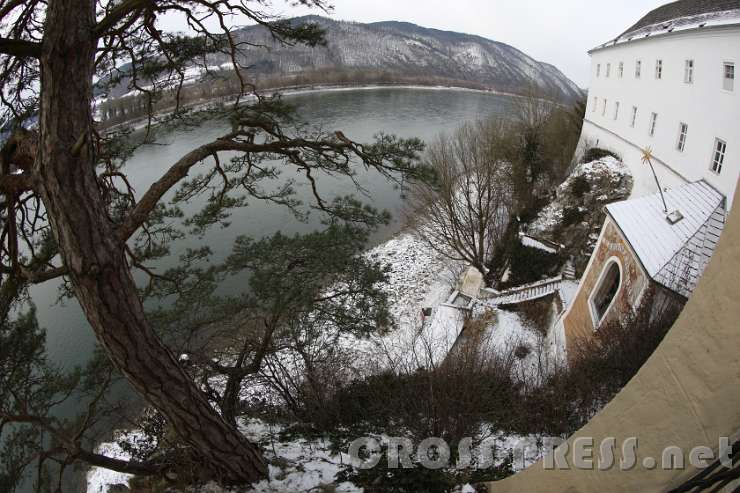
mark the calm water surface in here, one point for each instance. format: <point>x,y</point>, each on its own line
<point>423,113</point>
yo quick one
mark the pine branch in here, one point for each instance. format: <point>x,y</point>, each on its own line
<point>20,48</point>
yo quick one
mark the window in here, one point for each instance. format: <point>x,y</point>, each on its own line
<point>718,158</point>
<point>621,69</point>
<point>596,103</point>
<point>616,110</point>
<point>603,110</point>
<point>683,129</point>
<point>598,69</point>
<point>608,69</point>
<point>728,82</point>
<point>653,122</point>
<point>658,69</point>
<point>688,72</point>
<point>634,116</point>
<point>606,292</point>
<point>638,69</point>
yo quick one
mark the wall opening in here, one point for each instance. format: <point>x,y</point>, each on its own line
<point>606,291</point>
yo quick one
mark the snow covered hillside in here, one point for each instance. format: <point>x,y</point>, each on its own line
<point>395,52</point>
<point>409,49</point>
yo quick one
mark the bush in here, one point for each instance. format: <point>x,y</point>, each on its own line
<point>596,153</point>
<point>599,368</point>
<point>572,215</point>
<point>528,265</point>
<point>382,479</point>
<point>476,388</point>
<point>579,186</point>
<point>529,213</point>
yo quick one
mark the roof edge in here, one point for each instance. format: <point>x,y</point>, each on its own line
<point>625,37</point>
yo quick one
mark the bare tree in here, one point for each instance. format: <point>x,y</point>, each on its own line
<point>532,114</point>
<point>465,213</point>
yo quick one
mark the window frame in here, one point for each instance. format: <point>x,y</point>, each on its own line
<point>683,134</point>
<point>598,70</point>
<point>603,110</point>
<point>608,70</point>
<point>595,319</point>
<point>621,70</point>
<point>717,170</point>
<point>725,65</point>
<point>633,122</point>
<point>688,71</point>
<point>638,68</point>
<point>659,69</point>
<point>616,110</point>
<point>653,124</point>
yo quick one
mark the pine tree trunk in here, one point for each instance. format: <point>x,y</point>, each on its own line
<point>96,261</point>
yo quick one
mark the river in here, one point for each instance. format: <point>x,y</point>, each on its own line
<point>359,113</point>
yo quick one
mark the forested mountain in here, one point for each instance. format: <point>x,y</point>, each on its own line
<point>379,53</point>
<point>405,49</point>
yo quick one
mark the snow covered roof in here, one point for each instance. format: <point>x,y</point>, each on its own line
<point>680,16</point>
<point>673,255</point>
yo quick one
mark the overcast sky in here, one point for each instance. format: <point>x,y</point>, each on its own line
<point>555,31</point>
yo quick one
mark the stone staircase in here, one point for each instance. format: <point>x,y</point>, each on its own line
<point>569,270</point>
<point>520,294</point>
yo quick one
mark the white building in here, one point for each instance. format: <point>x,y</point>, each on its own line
<point>668,83</point>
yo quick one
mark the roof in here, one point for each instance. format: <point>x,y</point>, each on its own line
<point>673,255</point>
<point>680,16</point>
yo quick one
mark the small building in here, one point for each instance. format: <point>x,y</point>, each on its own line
<point>642,245</point>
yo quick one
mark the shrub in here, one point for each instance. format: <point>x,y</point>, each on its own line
<point>596,153</point>
<point>599,368</point>
<point>381,479</point>
<point>572,215</point>
<point>579,186</point>
<point>527,264</point>
<point>529,213</point>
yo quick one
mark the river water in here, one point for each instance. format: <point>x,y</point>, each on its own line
<point>359,113</point>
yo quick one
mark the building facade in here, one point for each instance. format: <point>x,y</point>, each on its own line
<point>668,83</point>
<point>612,284</point>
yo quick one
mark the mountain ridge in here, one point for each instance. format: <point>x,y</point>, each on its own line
<point>355,54</point>
<point>405,48</point>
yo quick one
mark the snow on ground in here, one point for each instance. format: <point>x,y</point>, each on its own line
<point>509,332</point>
<point>301,465</point>
<point>607,171</point>
<point>525,450</point>
<point>419,278</point>
<point>100,479</point>
<point>528,241</point>
<point>295,466</point>
<point>568,291</point>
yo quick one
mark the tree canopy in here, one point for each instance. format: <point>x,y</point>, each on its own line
<point>69,211</point>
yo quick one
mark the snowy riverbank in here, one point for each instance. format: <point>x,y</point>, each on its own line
<point>418,278</point>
